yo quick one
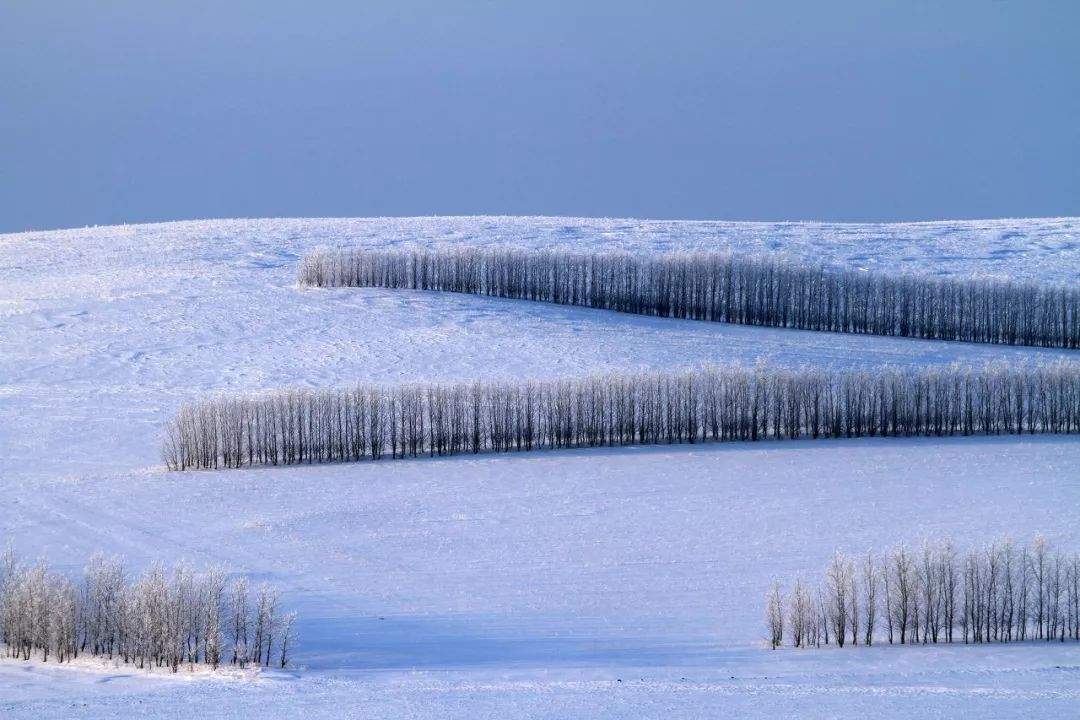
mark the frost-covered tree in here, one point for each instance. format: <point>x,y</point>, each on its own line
<point>774,616</point>
<point>869,570</point>
<point>801,615</point>
<point>837,587</point>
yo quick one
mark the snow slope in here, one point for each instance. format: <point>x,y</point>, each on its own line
<point>526,585</point>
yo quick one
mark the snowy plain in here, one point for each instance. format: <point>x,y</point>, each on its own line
<point>610,583</point>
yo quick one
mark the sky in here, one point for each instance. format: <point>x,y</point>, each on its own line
<point>115,111</point>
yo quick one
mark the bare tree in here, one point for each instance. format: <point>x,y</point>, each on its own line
<point>240,622</point>
<point>869,597</point>
<point>801,616</point>
<point>837,587</point>
<point>774,616</point>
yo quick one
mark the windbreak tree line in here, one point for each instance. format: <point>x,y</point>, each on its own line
<point>161,619</point>
<point>724,287</point>
<point>709,404</point>
<point>998,593</point>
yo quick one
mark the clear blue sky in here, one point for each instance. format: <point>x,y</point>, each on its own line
<point>144,110</point>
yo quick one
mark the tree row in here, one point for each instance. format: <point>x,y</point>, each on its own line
<point>746,289</point>
<point>159,619</point>
<point>998,593</point>
<point>709,404</point>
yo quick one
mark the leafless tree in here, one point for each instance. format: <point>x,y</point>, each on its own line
<point>774,616</point>
<point>869,597</point>
<point>240,622</point>
<point>287,623</point>
<point>801,615</point>
<point>837,586</point>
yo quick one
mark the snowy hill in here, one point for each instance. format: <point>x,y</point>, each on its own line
<point>611,583</point>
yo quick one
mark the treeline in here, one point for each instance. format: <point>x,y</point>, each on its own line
<point>160,619</point>
<point>711,404</point>
<point>999,593</point>
<point>746,289</point>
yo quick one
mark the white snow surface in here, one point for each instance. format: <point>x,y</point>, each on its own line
<point>605,583</point>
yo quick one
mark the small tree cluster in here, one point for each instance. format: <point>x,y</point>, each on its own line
<point>746,289</point>
<point>160,619</point>
<point>998,593</point>
<point>710,404</point>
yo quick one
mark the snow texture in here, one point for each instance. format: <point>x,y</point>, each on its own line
<point>599,583</point>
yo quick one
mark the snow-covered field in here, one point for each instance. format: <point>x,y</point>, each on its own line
<point>612,583</point>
